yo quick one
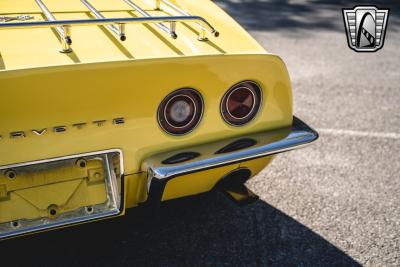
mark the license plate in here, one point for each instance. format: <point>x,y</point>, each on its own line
<point>40,195</point>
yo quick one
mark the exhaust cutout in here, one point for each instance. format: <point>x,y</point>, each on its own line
<point>233,186</point>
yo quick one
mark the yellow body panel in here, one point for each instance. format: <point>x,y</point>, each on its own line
<point>195,183</point>
<point>105,79</point>
<point>256,165</point>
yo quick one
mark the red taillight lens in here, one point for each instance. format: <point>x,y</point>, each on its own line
<point>181,111</point>
<point>241,103</point>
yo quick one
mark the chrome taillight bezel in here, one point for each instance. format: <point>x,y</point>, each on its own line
<point>255,89</point>
<point>163,119</point>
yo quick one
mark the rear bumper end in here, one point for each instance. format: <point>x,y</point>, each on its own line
<point>164,167</point>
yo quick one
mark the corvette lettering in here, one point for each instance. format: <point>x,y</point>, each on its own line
<point>62,128</point>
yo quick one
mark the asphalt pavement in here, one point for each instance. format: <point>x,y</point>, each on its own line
<point>335,203</point>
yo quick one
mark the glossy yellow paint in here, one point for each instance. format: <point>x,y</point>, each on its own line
<point>195,183</point>
<point>256,165</point>
<point>105,78</point>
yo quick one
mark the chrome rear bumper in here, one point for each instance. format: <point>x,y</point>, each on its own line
<point>166,166</point>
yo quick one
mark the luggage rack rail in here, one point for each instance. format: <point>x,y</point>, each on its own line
<point>115,25</point>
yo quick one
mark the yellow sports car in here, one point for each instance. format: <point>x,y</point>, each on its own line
<point>112,104</point>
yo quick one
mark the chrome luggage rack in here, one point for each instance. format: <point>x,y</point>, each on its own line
<point>115,25</point>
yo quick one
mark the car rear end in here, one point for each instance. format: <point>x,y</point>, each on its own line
<point>87,134</point>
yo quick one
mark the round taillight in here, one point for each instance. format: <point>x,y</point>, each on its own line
<point>181,111</point>
<point>241,103</point>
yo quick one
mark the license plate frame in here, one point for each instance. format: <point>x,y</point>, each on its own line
<point>112,161</point>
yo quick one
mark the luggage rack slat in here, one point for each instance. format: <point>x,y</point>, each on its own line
<point>120,32</point>
<point>202,35</point>
<point>63,27</point>
<point>170,31</point>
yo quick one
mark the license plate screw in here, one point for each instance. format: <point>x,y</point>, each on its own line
<point>89,209</point>
<point>81,163</point>
<point>10,174</point>
<point>52,211</point>
<point>15,224</point>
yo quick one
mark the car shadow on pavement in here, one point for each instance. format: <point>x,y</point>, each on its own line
<point>205,230</point>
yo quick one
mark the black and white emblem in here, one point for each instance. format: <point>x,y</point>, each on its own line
<point>365,27</point>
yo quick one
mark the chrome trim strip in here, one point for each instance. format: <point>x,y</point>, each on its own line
<point>294,137</point>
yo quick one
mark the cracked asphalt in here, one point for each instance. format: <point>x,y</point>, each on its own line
<point>335,203</point>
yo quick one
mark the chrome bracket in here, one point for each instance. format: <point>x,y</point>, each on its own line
<point>158,4</point>
<point>173,29</point>
<point>64,31</point>
<point>121,28</point>
<point>66,41</point>
<point>202,35</point>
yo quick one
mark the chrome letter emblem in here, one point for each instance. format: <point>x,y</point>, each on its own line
<point>80,125</point>
<point>63,128</point>
<point>365,27</point>
<point>17,135</point>
<point>100,123</point>
<point>39,132</point>
<point>59,129</point>
<point>119,121</point>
